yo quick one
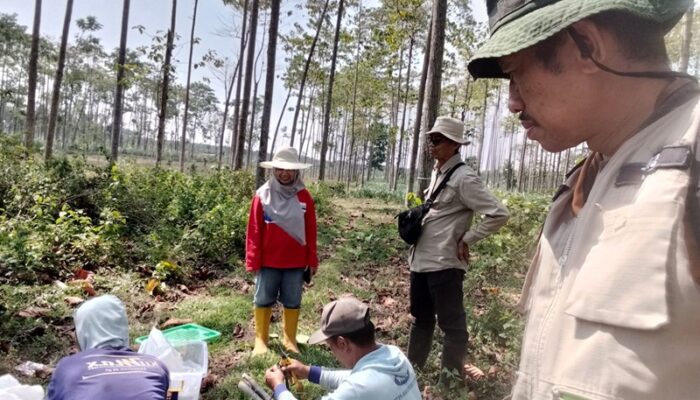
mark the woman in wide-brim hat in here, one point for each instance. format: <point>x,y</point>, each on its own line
<point>280,246</point>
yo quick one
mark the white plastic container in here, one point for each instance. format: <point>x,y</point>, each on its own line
<point>11,389</point>
<point>187,377</point>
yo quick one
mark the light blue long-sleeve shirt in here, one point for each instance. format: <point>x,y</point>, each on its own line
<point>383,374</point>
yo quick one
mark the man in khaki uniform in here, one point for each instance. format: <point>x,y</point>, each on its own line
<point>440,258</point>
<point>612,296</point>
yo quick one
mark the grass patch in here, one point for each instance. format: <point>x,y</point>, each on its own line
<point>221,313</point>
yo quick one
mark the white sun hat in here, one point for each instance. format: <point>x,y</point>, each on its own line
<point>285,158</point>
<point>451,128</point>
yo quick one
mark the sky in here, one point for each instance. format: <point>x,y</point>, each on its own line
<point>212,19</point>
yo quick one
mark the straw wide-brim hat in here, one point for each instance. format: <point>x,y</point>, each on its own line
<point>451,128</point>
<point>285,158</point>
<point>518,24</point>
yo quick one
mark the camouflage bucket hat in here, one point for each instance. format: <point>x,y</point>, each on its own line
<point>519,24</point>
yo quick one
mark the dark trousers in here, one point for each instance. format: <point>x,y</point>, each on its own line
<point>438,293</point>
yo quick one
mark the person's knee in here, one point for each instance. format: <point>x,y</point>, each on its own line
<point>424,323</point>
<point>454,326</point>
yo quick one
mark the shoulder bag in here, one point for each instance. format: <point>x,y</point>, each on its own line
<point>411,220</point>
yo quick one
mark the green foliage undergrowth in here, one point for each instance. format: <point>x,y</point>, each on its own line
<point>67,214</point>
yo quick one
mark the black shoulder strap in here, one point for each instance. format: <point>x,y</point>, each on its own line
<point>694,191</point>
<point>442,184</point>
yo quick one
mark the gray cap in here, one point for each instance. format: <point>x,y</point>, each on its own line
<point>340,317</point>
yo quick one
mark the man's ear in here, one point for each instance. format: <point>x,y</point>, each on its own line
<point>592,43</point>
<point>342,343</point>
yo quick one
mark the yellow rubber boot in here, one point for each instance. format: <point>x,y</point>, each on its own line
<point>262,329</point>
<point>291,318</point>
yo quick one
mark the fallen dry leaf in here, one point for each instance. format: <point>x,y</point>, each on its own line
<point>151,285</point>
<point>88,289</point>
<point>388,301</point>
<point>34,312</point>
<point>81,274</point>
<point>473,372</point>
<point>146,307</point>
<point>175,322</point>
<point>238,331</point>
<point>30,368</point>
<point>208,382</point>
<point>73,301</point>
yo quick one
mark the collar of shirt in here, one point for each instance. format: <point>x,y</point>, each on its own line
<point>438,173</point>
<point>454,160</point>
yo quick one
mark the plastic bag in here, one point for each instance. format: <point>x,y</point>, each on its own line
<point>187,362</point>
<point>11,389</point>
<point>158,346</point>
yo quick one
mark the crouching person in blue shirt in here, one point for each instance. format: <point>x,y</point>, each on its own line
<point>106,368</point>
<point>375,371</point>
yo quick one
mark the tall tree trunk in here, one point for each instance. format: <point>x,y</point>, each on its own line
<point>31,83</point>
<point>687,38</point>
<point>481,135</point>
<point>55,96</point>
<point>351,171</point>
<point>433,83</point>
<point>492,160</point>
<point>511,171</point>
<point>467,98</point>
<point>252,123</point>
<point>165,88</point>
<point>279,120</point>
<point>341,157</point>
<point>118,97</point>
<point>306,70</point>
<point>366,166</point>
<point>237,102</point>
<point>187,91</point>
<point>238,163</point>
<point>255,96</point>
<point>309,112</point>
<point>391,165</point>
<point>403,116</point>
<point>419,113</point>
<point>329,96</point>
<point>269,86</point>
<point>225,117</point>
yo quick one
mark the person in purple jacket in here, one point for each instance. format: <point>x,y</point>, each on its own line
<point>106,368</point>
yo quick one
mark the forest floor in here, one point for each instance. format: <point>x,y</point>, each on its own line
<point>360,253</point>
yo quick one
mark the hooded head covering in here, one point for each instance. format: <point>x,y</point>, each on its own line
<point>101,322</point>
<point>279,201</point>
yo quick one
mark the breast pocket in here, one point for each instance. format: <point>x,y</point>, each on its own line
<point>623,280</point>
<point>445,198</point>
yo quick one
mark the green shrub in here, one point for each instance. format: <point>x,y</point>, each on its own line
<point>66,214</point>
<point>382,194</point>
<point>511,247</point>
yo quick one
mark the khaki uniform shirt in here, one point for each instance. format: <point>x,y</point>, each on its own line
<point>612,309</point>
<point>450,218</point>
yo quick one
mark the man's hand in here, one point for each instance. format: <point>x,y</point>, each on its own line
<point>463,251</point>
<point>297,368</point>
<point>274,376</point>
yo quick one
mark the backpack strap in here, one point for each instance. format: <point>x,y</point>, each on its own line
<point>442,184</point>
